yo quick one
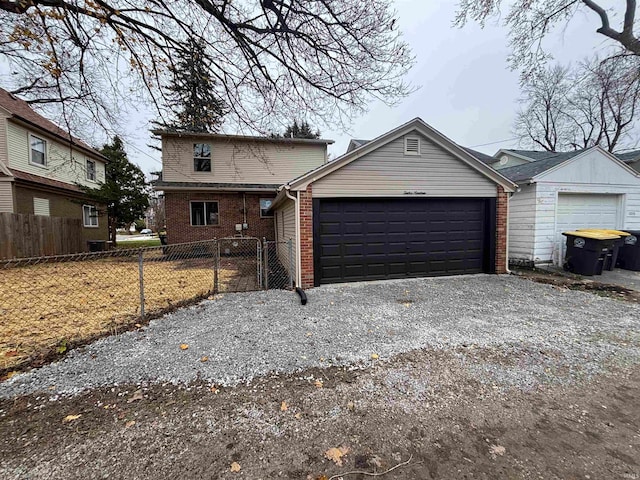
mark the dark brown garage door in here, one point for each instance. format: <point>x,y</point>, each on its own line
<point>370,239</point>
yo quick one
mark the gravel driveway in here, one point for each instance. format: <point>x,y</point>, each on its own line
<point>249,334</point>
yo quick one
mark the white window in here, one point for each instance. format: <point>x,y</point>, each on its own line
<point>91,170</point>
<point>90,215</point>
<point>265,205</point>
<point>41,206</point>
<point>201,157</point>
<point>204,213</point>
<point>37,151</point>
<point>411,145</point>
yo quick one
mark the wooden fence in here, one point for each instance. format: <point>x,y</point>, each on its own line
<point>36,235</point>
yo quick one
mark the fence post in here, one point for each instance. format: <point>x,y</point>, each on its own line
<point>290,245</point>
<point>141,277</point>
<point>216,264</point>
<point>265,263</point>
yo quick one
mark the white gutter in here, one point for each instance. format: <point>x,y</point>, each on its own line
<point>507,236</point>
<point>296,201</point>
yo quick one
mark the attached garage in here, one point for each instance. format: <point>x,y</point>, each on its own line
<point>572,190</point>
<point>410,203</point>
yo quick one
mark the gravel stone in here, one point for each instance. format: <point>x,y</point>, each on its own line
<point>534,330</point>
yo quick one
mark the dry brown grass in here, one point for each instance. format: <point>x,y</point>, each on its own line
<point>47,306</point>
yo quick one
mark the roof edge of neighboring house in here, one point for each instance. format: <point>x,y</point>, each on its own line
<point>38,181</point>
<point>254,138</point>
<point>415,124</point>
<point>66,141</point>
<point>513,153</point>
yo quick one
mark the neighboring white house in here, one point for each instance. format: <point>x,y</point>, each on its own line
<point>561,191</point>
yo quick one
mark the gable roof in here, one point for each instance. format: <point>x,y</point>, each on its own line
<point>252,138</point>
<point>547,160</point>
<point>483,157</point>
<point>22,111</point>
<point>356,143</point>
<point>423,128</point>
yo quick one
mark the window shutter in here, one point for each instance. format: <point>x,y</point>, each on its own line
<point>412,146</point>
<point>41,206</point>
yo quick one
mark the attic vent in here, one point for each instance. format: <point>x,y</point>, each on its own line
<point>412,146</point>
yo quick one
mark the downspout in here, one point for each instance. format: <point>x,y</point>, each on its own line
<point>507,239</point>
<point>296,201</point>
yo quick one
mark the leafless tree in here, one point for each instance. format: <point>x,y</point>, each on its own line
<point>529,22</point>
<point>593,104</point>
<point>272,58</point>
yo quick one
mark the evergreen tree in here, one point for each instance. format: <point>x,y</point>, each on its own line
<point>193,97</point>
<point>125,191</point>
<point>302,130</point>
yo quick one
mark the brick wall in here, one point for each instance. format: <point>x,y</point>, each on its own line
<point>230,205</point>
<point>306,238</point>
<point>65,205</point>
<point>501,230</point>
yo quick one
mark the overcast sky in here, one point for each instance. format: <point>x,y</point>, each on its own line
<point>467,91</point>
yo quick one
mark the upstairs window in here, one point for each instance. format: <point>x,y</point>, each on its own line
<point>412,146</point>
<point>265,205</point>
<point>204,213</point>
<point>38,151</point>
<point>90,215</point>
<point>201,157</point>
<point>91,170</point>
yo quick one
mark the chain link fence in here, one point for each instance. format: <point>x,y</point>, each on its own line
<point>49,303</point>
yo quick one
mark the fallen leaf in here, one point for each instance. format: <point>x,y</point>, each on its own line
<point>298,416</point>
<point>214,389</point>
<point>184,346</point>
<point>336,454</point>
<point>11,353</point>
<point>376,460</point>
<point>496,450</point>
<point>130,423</point>
<point>137,395</point>
<point>375,356</point>
<point>204,359</point>
<point>351,405</point>
<point>11,374</point>
<point>71,418</point>
<point>318,383</point>
<point>235,467</point>
<point>283,406</point>
<point>138,325</point>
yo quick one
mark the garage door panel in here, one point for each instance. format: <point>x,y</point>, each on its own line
<point>397,238</point>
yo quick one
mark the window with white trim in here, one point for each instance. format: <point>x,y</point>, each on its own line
<point>41,206</point>
<point>201,157</point>
<point>265,205</point>
<point>412,145</point>
<point>90,216</point>
<point>37,151</point>
<point>204,213</point>
<point>91,170</point>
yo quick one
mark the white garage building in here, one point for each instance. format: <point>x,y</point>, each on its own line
<point>560,191</point>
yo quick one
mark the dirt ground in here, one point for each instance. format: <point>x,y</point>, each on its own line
<point>423,412</point>
<point>46,309</point>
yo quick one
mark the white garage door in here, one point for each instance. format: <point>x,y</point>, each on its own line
<point>576,211</point>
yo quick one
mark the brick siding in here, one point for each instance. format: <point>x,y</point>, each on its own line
<point>230,205</point>
<point>306,238</point>
<point>501,230</point>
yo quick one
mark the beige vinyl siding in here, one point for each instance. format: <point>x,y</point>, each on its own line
<point>3,138</point>
<point>286,229</point>
<point>240,161</point>
<point>6,197</point>
<point>41,206</point>
<point>522,223</point>
<point>388,172</point>
<point>63,164</point>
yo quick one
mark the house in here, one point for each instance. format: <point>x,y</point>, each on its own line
<point>409,203</point>
<point>41,166</point>
<point>561,191</point>
<point>218,186</point>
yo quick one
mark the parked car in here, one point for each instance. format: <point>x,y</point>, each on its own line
<point>146,231</point>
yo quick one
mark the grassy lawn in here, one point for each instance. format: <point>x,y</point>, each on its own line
<point>46,307</point>
<point>151,242</point>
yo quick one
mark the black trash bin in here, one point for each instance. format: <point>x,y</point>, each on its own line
<point>611,261</point>
<point>587,251</point>
<point>97,245</point>
<point>629,256</point>
<point>163,238</point>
